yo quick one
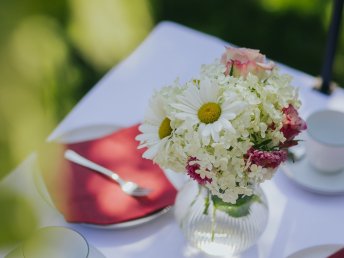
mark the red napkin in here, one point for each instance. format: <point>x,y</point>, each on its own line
<point>338,254</point>
<point>85,196</point>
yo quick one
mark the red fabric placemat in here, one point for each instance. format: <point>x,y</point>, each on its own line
<point>338,254</point>
<point>82,195</point>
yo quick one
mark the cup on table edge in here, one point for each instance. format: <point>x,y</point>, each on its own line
<point>325,141</point>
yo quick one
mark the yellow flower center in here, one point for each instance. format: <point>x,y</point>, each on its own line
<point>165,128</point>
<point>209,112</point>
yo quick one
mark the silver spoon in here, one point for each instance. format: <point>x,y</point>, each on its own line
<point>128,187</point>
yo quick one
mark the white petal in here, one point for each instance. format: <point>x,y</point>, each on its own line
<point>147,128</point>
<point>142,146</point>
<point>204,134</point>
<point>227,125</point>
<point>148,144</point>
<point>208,91</point>
<point>184,108</point>
<point>228,115</point>
<point>184,116</point>
<point>192,95</point>
<point>235,107</point>
<point>147,136</point>
<point>217,126</point>
<point>201,127</point>
<point>230,96</point>
<point>214,134</point>
<point>152,117</point>
<point>157,106</point>
<point>206,131</point>
<point>151,152</point>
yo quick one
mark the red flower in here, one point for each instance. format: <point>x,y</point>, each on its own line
<point>191,171</point>
<point>293,124</point>
<point>266,159</point>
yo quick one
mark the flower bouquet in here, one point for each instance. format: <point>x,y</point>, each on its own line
<point>228,129</point>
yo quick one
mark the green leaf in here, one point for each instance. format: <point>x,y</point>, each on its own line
<point>231,71</point>
<point>240,209</point>
<point>262,144</point>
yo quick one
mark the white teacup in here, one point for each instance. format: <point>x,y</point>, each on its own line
<point>325,140</point>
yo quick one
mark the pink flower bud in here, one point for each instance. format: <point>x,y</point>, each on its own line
<point>242,61</point>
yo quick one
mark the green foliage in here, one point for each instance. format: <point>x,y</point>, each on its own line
<point>240,209</point>
<point>293,32</point>
<point>51,55</point>
<point>54,51</point>
<point>17,219</point>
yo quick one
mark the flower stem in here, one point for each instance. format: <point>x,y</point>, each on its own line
<point>206,204</point>
<point>213,224</point>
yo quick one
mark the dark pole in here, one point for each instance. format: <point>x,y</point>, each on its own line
<point>331,44</point>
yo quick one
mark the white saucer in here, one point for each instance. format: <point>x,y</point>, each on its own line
<point>131,223</point>
<point>319,251</point>
<point>90,133</point>
<point>303,174</point>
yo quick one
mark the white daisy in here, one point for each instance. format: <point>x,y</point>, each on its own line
<point>155,130</point>
<point>201,105</point>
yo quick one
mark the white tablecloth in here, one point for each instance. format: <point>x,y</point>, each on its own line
<point>298,218</point>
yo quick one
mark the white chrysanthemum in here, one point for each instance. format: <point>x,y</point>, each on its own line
<point>156,129</point>
<point>203,106</point>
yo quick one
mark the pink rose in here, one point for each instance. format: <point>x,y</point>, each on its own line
<point>242,61</point>
<point>293,124</point>
<point>266,159</point>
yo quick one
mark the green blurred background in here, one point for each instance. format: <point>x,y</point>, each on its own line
<point>53,52</point>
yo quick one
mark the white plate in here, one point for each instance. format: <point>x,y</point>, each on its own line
<point>18,253</point>
<point>304,175</point>
<point>320,251</point>
<point>86,133</point>
<point>55,241</point>
<point>131,223</point>
<point>91,133</point>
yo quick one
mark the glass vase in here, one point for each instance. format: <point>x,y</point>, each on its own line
<point>216,227</point>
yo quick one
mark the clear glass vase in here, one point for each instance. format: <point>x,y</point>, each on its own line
<point>216,227</point>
